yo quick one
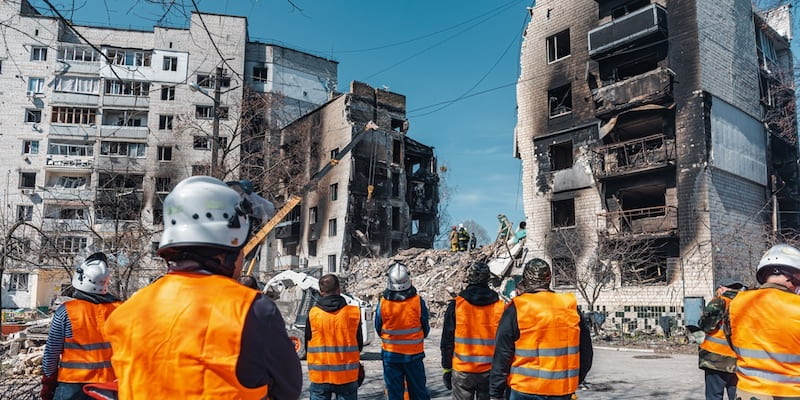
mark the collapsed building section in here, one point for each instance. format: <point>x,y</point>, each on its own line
<point>380,198</point>
<point>656,159</point>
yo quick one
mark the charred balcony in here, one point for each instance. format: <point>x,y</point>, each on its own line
<point>288,231</point>
<point>650,87</point>
<point>648,24</point>
<point>634,156</point>
<point>659,221</point>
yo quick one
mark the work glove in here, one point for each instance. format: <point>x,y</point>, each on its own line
<point>49,384</point>
<point>447,378</point>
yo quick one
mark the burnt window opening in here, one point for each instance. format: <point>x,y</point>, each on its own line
<point>644,197</point>
<point>312,215</point>
<point>27,180</point>
<point>564,271</point>
<point>414,226</point>
<point>560,100</point>
<point>397,154</point>
<point>561,156</point>
<point>397,124</point>
<point>396,218</point>
<point>646,271</point>
<point>563,213</point>
<point>628,8</point>
<point>334,153</point>
<point>635,67</point>
<point>395,184</point>
<point>558,46</point>
<point>312,248</point>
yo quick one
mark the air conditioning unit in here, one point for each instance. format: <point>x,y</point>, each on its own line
<point>26,192</point>
<point>30,93</point>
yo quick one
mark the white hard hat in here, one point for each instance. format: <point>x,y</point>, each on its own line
<point>398,278</point>
<point>780,256</point>
<point>460,225</point>
<point>203,211</point>
<point>92,276</point>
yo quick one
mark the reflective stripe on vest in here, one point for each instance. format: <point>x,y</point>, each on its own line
<point>476,327</point>
<point>333,349</point>
<point>180,338</point>
<point>765,334</point>
<point>547,354</point>
<point>715,341</point>
<point>86,357</point>
<point>401,328</point>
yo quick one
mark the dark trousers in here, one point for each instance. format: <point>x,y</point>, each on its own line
<point>515,395</point>
<point>717,382</point>
<point>324,391</point>
<point>469,386</point>
<point>413,373</point>
<point>70,391</point>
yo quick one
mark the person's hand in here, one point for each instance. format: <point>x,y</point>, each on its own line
<point>361,374</point>
<point>447,378</point>
<point>48,387</point>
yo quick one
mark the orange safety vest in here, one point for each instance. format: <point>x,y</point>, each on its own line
<point>715,341</point>
<point>332,352</point>
<point>87,354</point>
<point>401,328</point>
<point>765,334</point>
<point>476,328</point>
<point>547,354</point>
<point>180,338</point>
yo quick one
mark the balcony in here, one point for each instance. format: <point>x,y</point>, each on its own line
<point>77,67</point>
<point>661,221</point>
<point>126,101</point>
<point>60,194</point>
<point>646,23</point>
<point>634,156</point>
<point>82,99</point>
<point>68,163</point>
<point>288,230</point>
<point>83,131</point>
<point>287,262</point>
<point>130,132</point>
<point>647,88</point>
<point>65,225</point>
<point>120,164</point>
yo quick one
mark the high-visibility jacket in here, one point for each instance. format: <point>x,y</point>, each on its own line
<point>765,334</point>
<point>547,353</point>
<point>401,328</point>
<point>715,341</point>
<point>180,338</point>
<point>476,328</point>
<point>332,352</point>
<point>86,357</point>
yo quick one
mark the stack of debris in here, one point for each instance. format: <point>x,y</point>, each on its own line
<point>438,275</point>
<point>22,351</point>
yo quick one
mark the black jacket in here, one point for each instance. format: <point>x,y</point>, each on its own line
<point>475,295</point>
<point>508,334</point>
<point>331,304</point>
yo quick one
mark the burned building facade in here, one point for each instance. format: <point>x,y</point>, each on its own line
<point>381,197</point>
<point>662,135</point>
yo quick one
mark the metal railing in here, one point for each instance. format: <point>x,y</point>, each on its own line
<point>634,155</point>
<point>649,220</point>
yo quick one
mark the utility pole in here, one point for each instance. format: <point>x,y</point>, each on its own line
<point>215,126</point>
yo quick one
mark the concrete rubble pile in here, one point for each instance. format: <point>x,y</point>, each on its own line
<point>22,351</point>
<point>438,275</point>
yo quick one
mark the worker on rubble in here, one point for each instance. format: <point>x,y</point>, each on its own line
<point>197,333</point>
<point>716,357</point>
<point>77,351</point>
<point>543,348</point>
<point>473,241</point>
<point>454,239</point>
<point>463,238</point>
<point>763,328</point>
<point>401,321</point>
<point>468,333</point>
<point>333,342</point>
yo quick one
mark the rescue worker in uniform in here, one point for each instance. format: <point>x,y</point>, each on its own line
<point>763,328</point>
<point>197,333</point>
<point>463,238</point>
<point>454,239</point>
<point>716,357</point>
<point>401,321</point>
<point>333,344</point>
<point>543,348</point>
<point>468,333</point>
<point>77,351</point>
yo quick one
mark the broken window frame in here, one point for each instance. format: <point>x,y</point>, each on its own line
<point>18,282</point>
<point>33,115</point>
<point>562,266</point>
<point>556,219</point>
<point>558,154</point>
<point>559,100</point>
<point>24,212</point>
<point>27,180</point>
<point>260,73</point>
<point>555,43</point>
<point>30,147</point>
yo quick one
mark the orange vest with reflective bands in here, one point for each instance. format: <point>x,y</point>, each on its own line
<point>87,355</point>
<point>716,342</point>
<point>180,338</point>
<point>547,355</point>
<point>765,334</point>
<point>476,327</point>
<point>401,328</point>
<point>332,352</point>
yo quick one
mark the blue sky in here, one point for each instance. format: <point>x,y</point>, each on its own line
<point>432,52</point>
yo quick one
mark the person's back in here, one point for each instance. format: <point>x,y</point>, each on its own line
<point>716,358</point>
<point>197,333</point>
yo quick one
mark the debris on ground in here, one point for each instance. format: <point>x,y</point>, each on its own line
<point>22,351</point>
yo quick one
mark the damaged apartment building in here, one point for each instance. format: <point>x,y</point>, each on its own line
<point>662,135</point>
<point>379,198</point>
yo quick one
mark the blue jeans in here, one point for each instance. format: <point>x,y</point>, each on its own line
<point>70,391</point>
<point>718,382</point>
<point>515,395</point>
<point>324,391</point>
<point>413,373</point>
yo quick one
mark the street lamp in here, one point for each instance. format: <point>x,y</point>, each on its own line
<point>215,124</point>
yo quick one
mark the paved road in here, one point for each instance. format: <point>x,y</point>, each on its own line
<point>616,375</point>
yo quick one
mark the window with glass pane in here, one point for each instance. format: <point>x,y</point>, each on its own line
<point>36,85</point>
<point>30,147</point>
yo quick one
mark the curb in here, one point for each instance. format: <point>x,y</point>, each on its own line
<point>624,349</point>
